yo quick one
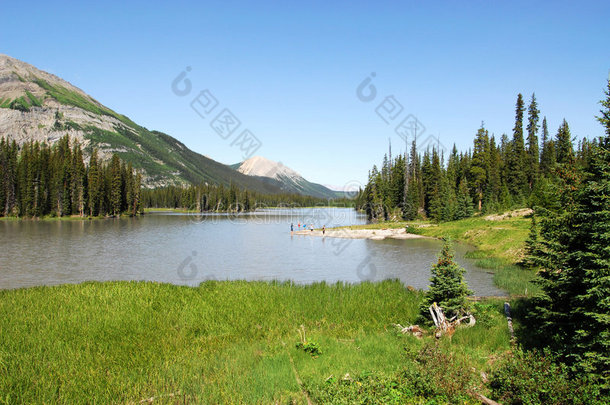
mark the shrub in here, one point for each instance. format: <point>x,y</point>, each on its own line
<point>536,378</point>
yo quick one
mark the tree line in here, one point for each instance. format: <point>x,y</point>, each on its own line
<point>219,198</point>
<point>38,180</point>
<point>495,175</point>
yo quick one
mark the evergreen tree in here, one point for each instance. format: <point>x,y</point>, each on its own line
<point>78,181</point>
<point>447,286</point>
<point>533,155</point>
<point>532,247</point>
<point>94,184</point>
<point>494,178</point>
<point>115,178</point>
<point>517,178</point>
<point>479,166</point>
<point>548,156</point>
<point>563,144</point>
<point>464,201</point>
<point>573,313</point>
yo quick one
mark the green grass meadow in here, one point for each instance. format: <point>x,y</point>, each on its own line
<point>221,342</point>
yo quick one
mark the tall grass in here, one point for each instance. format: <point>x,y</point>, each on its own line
<point>220,342</point>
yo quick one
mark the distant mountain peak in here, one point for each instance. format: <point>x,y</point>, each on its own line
<point>286,178</point>
<point>261,166</point>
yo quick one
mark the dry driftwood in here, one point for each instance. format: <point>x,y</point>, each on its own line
<point>415,330</point>
<point>447,327</point>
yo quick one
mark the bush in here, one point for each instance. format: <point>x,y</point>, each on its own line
<point>536,378</point>
<point>431,376</point>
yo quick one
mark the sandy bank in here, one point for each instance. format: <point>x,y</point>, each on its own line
<point>374,234</point>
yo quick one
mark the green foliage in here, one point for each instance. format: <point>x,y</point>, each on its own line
<point>533,154</point>
<point>573,313</point>
<point>310,347</point>
<point>20,104</point>
<point>69,97</point>
<point>563,145</point>
<point>447,286</point>
<point>536,378</point>
<point>431,375</point>
<point>33,100</point>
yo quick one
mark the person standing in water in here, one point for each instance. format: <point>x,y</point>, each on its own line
<point>291,228</point>
<point>323,229</point>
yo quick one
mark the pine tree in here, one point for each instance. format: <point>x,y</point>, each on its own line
<point>494,178</point>
<point>130,190</point>
<point>464,201</point>
<point>78,181</point>
<point>532,247</point>
<point>547,156</point>
<point>447,286</point>
<point>94,183</point>
<point>479,166</point>
<point>10,178</point>
<point>563,144</point>
<point>517,160</point>
<point>533,164</point>
<point>115,178</point>
<point>573,313</point>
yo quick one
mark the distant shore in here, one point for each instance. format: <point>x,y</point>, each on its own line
<point>373,234</point>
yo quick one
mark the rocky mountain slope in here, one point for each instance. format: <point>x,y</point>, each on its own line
<point>282,176</point>
<point>36,105</point>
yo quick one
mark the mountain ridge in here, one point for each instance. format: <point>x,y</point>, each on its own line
<point>40,106</point>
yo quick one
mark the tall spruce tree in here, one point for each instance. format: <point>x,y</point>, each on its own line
<point>479,166</point>
<point>464,208</point>
<point>94,184</point>
<point>563,144</point>
<point>518,158</point>
<point>547,156</point>
<point>115,177</point>
<point>573,313</point>
<point>533,155</point>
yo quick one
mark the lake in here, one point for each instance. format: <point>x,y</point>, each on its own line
<point>188,249</point>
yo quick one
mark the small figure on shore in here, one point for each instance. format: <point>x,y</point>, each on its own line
<point>299,225</point>
<point>311,227</point>
<point>323,229</point>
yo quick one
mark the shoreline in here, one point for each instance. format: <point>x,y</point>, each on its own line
<point>372,234</point>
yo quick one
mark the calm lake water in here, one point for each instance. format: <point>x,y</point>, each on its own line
<point>188,249</point>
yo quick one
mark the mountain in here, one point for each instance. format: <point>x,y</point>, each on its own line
<point>277,174</point>
<point>36,105</point>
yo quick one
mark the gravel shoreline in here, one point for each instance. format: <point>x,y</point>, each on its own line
<point>373,234</point>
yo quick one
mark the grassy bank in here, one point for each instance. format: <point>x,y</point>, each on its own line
<point>499,245</point>
<point>224,342</point>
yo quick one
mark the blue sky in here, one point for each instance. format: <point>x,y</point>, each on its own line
<point>289,72</point>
